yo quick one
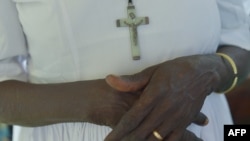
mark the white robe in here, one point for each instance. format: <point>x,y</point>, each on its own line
<point>82,35</point>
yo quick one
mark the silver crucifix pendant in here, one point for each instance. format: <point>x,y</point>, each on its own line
<point>133,22</point>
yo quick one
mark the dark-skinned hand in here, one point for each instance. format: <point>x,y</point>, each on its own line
<point>171,100</point>
<point>109,105</point>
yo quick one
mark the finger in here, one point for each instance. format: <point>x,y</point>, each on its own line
<point>177,135</point>
<point>154,119</point>
<point>156,136</point>
<point>130,120</point>
<point>160,135</point>
<point>171,128</point>
<point>165,132</point>
<point>126,83</point>
<point>131,83</point>
<point>201,119</point>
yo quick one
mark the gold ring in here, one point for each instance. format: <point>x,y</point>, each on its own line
<point>157,135</point>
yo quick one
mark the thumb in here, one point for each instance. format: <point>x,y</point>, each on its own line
<point>130,83</point>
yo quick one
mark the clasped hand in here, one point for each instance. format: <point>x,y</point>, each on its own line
<point>172,94</point>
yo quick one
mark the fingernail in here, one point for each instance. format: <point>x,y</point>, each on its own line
<point>206,121</point>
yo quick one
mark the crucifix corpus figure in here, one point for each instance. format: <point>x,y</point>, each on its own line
<point>133,22</point>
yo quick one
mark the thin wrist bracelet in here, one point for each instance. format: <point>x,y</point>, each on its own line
<point>235,71</point>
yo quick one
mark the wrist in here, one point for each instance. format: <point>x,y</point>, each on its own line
<point>231,62</point>
<point>215,67</point>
